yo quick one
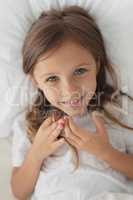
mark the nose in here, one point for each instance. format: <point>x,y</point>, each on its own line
<point>70,88</point>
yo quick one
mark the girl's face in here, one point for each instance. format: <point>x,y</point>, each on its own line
<point>67,75</point>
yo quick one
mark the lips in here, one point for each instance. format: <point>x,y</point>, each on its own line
<point>73,102</point>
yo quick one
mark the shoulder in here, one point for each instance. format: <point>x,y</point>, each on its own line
<point>112,114</point>
<point>125,115</point>
<point>19,127</point>
<point>20,140</point>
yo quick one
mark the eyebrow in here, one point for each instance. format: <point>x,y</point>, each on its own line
<point>82,64</point>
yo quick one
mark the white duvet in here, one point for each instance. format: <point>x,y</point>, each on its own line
<point>93,180</point>
<point>113,196</point>
<point>81,185</point>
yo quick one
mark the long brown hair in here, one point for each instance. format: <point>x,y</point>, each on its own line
<point>47,33</point>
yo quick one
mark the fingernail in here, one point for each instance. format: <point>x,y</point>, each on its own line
<point>60,126</point>
<point>53,118</point>
<point>66,117</point>
<point>61,121</point>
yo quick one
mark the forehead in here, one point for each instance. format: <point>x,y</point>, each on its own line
<point>63,58</point>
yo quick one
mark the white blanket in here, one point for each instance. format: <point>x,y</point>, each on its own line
<point>113,196</point>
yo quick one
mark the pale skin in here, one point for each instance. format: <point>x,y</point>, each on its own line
<point>24,178</point>
<point>70,57</point>
<point>98,145</point>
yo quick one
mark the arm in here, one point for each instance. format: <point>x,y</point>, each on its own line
<point>24,178</point>
<point>120,161</point>
<point>46,141</point>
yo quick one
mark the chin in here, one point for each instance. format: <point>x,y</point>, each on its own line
<point>78,112</point>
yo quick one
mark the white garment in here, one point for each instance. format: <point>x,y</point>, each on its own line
<point>58,181</point>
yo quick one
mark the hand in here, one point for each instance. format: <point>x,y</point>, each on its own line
<point>95,143</point>
<point>46,140</point>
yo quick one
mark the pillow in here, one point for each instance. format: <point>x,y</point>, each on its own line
<point>113,19</point>
<point>15,19</point>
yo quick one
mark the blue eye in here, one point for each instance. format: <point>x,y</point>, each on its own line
<point>81,71</point>
<point>51,79</point>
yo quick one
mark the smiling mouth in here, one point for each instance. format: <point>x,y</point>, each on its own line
<point>73,103</point>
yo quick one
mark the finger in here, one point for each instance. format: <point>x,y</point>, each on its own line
<point>46,123</point>
<point>74,128</point>
<point>53,117</point>
<point>53,127</point>
<point>71,136</point>
<point>61,121</point>
<point>56,115</point>
<point>59,142</point>
<point>73,143</point>
<point>55,132</point>
<point>49,129</point>
<point>99,122</point>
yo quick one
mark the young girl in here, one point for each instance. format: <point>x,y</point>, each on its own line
<point>71,143</point>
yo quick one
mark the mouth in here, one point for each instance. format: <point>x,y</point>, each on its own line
<point>73,103</point>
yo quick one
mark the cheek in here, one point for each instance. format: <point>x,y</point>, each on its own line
<point>90,86</point>
<point>93,84</point>
<point>90,82</point>
<point>52,94</point>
